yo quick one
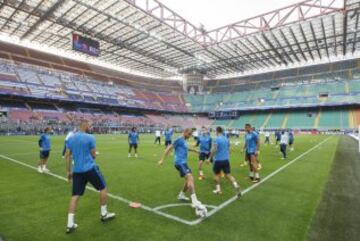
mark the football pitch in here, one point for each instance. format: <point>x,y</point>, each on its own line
<point>281,207</point>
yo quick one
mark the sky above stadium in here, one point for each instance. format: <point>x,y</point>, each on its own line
<point>217,13</point>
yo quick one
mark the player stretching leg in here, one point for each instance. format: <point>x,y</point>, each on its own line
<point>204,143</point>
<point>221,156</point>
<point>81,148</point>
<point>181,157</point>
<point>45,147</point>
<point>252,150</point>
<point>133,139</point>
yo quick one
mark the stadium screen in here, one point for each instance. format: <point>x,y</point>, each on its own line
<point>86,45</point>
<point>224,115</point>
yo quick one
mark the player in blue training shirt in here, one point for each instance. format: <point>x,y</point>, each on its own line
<point>45,148</point>
<point>205,143</point>
<point>133,139</point>
<point>257,155</point>
<point>221,163</point>
<point>277,137</point>
<point>168,136</point>
<point>181,149</point>
<point>81,149</point>
<point>252,150</point>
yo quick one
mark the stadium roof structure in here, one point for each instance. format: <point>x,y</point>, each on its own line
<point>147,36</point>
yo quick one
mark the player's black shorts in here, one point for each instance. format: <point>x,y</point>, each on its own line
<point>168,143</point>
<point>44,154</point>
<point>93,176</point>
<point>222,166</point>
<point>248,156</point>
<point>133,145</point>
<point>291,142</point>
<point>183,169</point>
<point>204,156</point>
<point>283,147</point>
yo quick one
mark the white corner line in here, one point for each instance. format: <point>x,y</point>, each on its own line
<point>180,205</point>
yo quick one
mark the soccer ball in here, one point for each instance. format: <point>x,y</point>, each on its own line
<point>201,211</point>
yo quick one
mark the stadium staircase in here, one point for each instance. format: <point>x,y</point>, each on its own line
<point>351,119</point>
<point>347,87</point>
<point>275,94</point>
<point>264,125</point>
<point>317,120</point>
<point>231,123</point>
<point>181,99</point>
<point>28,106</point>
<point>285,122</point>
<point>58,108</point>
<point>161,99</point>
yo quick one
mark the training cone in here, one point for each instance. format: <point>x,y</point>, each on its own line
<point>135,205</point>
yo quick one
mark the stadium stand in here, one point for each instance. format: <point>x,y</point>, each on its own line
<point>44,83</point>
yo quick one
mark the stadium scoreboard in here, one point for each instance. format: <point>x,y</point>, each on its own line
<point>224,115</point>
<point>85,45</point>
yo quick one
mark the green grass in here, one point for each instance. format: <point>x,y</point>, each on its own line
<point>337,216</point>
<point>34,206</point>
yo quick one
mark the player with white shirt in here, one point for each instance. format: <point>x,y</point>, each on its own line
<point>195,134</point>
<point>284,141</point>
<point>267,137</point>
<point>157,137</point>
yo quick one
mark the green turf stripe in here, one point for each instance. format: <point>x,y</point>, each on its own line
<point>337,216</point>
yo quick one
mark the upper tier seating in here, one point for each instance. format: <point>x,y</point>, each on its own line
<point>44,83</point>
<point>287,96</point>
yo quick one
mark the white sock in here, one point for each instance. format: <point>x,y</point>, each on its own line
<point>218,188</point>
<point>251,174</point>
<point>201,173</point>
<point>103,210</point>
<point>194,198</point>
<point>181,193</point>
<point>70,222</point>
<point>257,175</point>
<point>235,184</point>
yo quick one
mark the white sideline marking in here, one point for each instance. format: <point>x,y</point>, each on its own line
<point>354,136</point>
<point>233,199</point>
<point>113,196</point>
<point>156,210</point>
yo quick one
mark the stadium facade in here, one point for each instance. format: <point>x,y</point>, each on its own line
<point>295,67</point>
